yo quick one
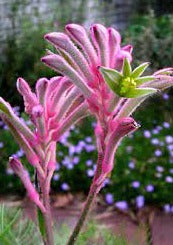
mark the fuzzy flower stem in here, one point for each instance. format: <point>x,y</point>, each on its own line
<point>47,217</point>
<point>90,200</point>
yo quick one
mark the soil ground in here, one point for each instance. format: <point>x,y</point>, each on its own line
<point>66,209</point>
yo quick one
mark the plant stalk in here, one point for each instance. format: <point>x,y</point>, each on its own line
<point>90,200</point>
<point>48,240</point>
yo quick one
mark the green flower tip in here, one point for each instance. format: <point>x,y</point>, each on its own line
<point>125,83</point>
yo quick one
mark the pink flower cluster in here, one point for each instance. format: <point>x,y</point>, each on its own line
<point>79,57</point>
<point>56,105</point>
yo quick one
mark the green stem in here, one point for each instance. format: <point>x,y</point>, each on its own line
<point>48,240</point>
<point>90,200</point>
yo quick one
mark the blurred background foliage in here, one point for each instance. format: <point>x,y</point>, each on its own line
<point>144,165</point>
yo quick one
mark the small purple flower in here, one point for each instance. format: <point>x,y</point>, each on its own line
<point>76,160</point>
<point>109,198</point>
<point>159,128</point>
<point>56,177</point>
<point>1,145</point>
<point>57,166</point>
<point>94,124</point>
<point>89,162</point>
<point>155,131</point>
<point>131,165</point>
<point>64,138</point>
<point>169,179</point>
<point>147,134</point>
<point>90,148</point>
<point>160,169</point>
<point>5,127</point>
<point>20,153</point>
<point>165,96</point>
<point>78,149</point>
<point>166,125</point>
<point>9,171</point>
<point>140,201</point>
<point>81,143</point>
<point>88,139</point>
<point>167,208</point>
<point>71,150</point>
<point>171,170</point>
<point>129,149</point>
<point>72,127</point>
<point>158,153</point>
<point>135,184</point>
<point>170,147</point>
<point>69,166</point>
<point>106,182</point>
<point>169,139</point>
<point>149,188</point>
<point>66,161</point>
<point>65,186</point>
<point>90,172</point>
<point>122,205</point>
<point>1,123</point>
<point>155,141</point>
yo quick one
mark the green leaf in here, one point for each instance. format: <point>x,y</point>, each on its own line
<point>126,68</point>
<point>144,79</point>
<point>111,77</point>
<point>41,223</point>
<point>140,92</point>
<point>138,71</point>
<point>113,74</point>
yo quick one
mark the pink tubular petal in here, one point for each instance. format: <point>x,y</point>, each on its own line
<point>128,48</point>
<point>41,90</point>
<point>79,34</point>
<point>58,95</point>
<point>57,63</point>
<point>100,37</point>
<point>18,168</point>
<point>62,41</point>
<point>114,45</point>
<point>166,71</point>
<point>68,102</point>
<point>76,115</point>
<point>16,165</point>
<point>15,121</point>
<point>52,161</point>
<point>30,99</point>
<point>121,128</point>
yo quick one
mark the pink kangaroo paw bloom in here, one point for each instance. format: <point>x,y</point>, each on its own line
<point>41,90</point>
<point>122,127</point>
<point>29,97</point>
<point>114,45</point>
<point>100,38</point>
<point>23,175</point>
<point>79,35</point>
<point>7,113</point>
<point>59,64</point>
<point>62,41</point>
